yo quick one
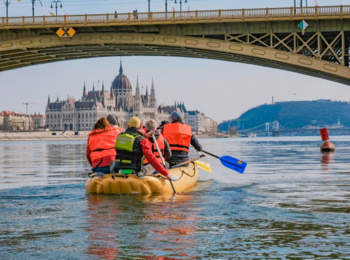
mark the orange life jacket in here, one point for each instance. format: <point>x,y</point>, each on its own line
<point>119,130</point>
<point>161,145</point>
<point>142,131</point>
<point>102,143</point>
<point>178,136</point>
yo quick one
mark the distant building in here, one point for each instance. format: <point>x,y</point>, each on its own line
<point>2,116</point>
<point>211,126</point>
<point>12,121</point>
<point>39,121</point>
<point>69,114</point>
<point>200,123</point>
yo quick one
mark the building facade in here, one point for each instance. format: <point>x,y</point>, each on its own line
<point>39,122</point>
<point>200,123</point>
<point>119,100</point>
<point>12,122</point>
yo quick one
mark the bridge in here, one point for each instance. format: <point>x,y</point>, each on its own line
<point>267,129</point>
<point>268,37</point>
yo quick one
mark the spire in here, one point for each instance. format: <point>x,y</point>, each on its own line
<point>48,100</point>
<point>93,87</point>
<point>84,90</point>
<point>153,100</point>
<point>121,67</point>
<point>146,91</point>
<point>103,88</point>
<point>57,99</point>
<point>137,93</point>
<point>153,93</point>
<point>175,104</point>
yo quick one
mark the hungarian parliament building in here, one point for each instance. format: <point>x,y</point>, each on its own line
<point>81,115</point>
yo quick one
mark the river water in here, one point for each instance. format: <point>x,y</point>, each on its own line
<point>291,203</point>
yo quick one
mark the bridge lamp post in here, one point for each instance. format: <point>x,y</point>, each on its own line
<point>33,5</point>
<point>301,3</point>
<point>180,4</point>
<point>56,3</point>
<point>7,4</point>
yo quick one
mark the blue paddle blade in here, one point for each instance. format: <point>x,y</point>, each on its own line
<point>233,163</point>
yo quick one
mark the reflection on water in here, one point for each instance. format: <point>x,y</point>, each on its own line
<point>41,163</point>
<point>292,203</point>
<point>154,219</point>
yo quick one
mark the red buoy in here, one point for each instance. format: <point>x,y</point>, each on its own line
<point>324,134</point>
<point>327,147</point>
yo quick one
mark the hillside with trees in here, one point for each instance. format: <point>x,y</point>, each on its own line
<point>293,115</point>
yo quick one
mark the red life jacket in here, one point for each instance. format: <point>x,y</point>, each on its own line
<point>102,143</point>
<point>178,136</point>
<point>161,145</point>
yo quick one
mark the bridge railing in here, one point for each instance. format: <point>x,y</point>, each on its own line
<point>190,16</point>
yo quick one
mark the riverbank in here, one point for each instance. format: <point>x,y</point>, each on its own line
<point>43,136</point>
<point>56,136</point>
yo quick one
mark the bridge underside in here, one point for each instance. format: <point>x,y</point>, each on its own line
<point>311,54</point>
<point>34,56</point>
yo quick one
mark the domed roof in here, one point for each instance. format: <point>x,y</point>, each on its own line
<point>121,81</point>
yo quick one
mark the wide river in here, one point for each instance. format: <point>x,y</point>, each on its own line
<point>293,202</point>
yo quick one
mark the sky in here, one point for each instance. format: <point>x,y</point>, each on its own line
<point>222,90</point>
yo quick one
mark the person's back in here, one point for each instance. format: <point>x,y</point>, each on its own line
<point>100,151</point>
<point>180,137</point>
<point>132,147</point>
<point>163,145</point>
<point>129,151</point>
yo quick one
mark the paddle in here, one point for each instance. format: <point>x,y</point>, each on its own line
<point>230,162</point>
<point>203,166</point>
<point>187,162</point>
<point>163,162</point>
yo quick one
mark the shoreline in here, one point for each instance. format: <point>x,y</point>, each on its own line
<point>55,136</point>
<point>16,139</point>
<point>42,136</point>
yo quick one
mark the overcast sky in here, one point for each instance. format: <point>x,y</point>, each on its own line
<point>222,90</point>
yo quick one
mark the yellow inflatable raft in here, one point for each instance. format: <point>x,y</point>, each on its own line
<point>187,177</point>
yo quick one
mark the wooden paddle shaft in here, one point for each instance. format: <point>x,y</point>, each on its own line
<point>194,159</point>
<point>163,162</point>
<point>160,154</point>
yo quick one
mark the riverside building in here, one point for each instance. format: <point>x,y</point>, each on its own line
<point>81,115</point>
<point>12,122</point>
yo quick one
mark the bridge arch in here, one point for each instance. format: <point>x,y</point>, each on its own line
<point>42,49</point>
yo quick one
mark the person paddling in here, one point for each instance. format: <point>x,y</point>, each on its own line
<point>132,147</point>
<point>100,150</point>
<point>163,146</point>
<point>180,137</point>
